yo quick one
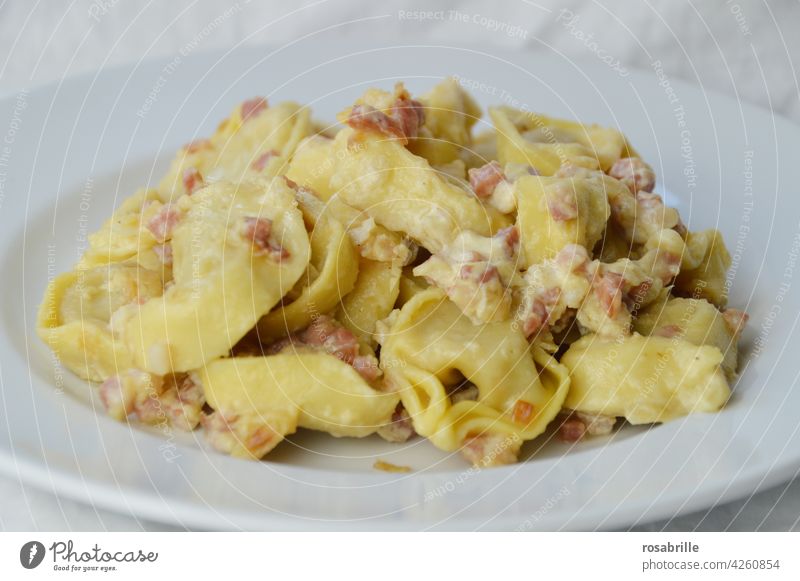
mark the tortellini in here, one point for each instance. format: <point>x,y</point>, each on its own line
<point>399,276</point>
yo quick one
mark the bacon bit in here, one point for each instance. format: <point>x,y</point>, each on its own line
<point>510,238</point>
<point>389,467</point>
<point>262,160</point>
<point>401,429</point>
<point>479,273</point>
<point>197,145</point>
<point>491,450</point>
<point>636,295</point>
<point>261,436</point>
<point>735,320</point>
<point>367,367</point>
<point>192,180</point>
<point>540,311</point>
<point>561,202</point>
<point>253,107</point>
<point>409,116</point>
<point>634,173</point>
<point>571,430</point>
<point>164,253</point>
<point>291,183</point>
<point>163,223</point>
<point>523,412</point>
<point>113,399</point>
<point>368,118</point>
<point>336,340</point>
<point>608,288</point>
<point>573,256</point>
<point>484,179</point>
<point>668,267</point>
<point>190,392</point>
<point>668,331</point>
<point>258,232</point>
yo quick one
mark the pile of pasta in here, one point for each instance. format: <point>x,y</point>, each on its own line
<point>399,274</point>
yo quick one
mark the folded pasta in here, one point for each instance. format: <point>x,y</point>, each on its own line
<point>400,275</point>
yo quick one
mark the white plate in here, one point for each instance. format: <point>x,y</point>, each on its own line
<point>72,151</point>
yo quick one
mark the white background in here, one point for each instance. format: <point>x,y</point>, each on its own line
<point>746,48</point>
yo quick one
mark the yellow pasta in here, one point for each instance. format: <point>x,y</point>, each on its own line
<point>644,379</point>
<point>403,193</point>
<point>509,374</point>
<point>399,276</point>
<point>372,298</point>
<point>331,275</point>
<point>222,285</point>
<point>554,212</point>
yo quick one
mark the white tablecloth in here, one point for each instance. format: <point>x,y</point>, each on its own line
<point>746,48</point>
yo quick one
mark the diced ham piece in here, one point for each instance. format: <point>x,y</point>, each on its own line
<point>668,331</point>
<point>401,429</point>
<point>367,367</point>
<point>335,339</point>
<point>164,253</point>
<point>510,238</point>
<point>491,450</point>
<point>484,179</point>
<point>253,107</point>
<point>608,288</point>
<point>197,145</point>
<point>258,231</point>
<point>192,180</point>
<point>735,320</point>
<point>262,160</point>
<point>368,118</point>
<point>539,314</point>
<point>480,273</point>
<point>163,223</point>
<point>561,202</point>
<point>571,430</point>
<point>234,432</point>
<point>634,173</point>
<point>409,116</point>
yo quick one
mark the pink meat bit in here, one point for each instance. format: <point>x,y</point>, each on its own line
<point>485,179</point>
<point>253,107</point>
<point>192,180</point>
<point>510,238</point>
<point>571,430</point>
<point>539,314</point>
<point>163,223</point>
<point>561,203</point>
<point>667,266</point>
<point>573,256</point>
<point>668,331</point>
<point>368,118</point>
<point>367,367</point>
<point>258,231</point>
<point>262,160</point>
<point>634,173</point>
<point>409,115</point>
<point>326,333</point>
<point>112,396</point>
<point>480,273</point>
<point>197,145</point>
<point>401,428</point>
<point>735,320</point>
<point>636,295</point>
<point>164,253</point>
<point>190,393</point>
<point>608,289</point>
